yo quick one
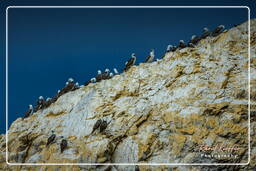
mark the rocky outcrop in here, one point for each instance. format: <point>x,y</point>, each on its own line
<point>189,107</point>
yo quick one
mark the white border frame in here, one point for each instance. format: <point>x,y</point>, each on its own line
<point>112,164</point>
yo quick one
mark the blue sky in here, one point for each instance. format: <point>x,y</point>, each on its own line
<point>47,46</point>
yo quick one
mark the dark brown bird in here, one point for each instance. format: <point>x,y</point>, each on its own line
<point>130,62</point>
<point>96,125</point>
<point>103,126</point>
<point>218,30</point>
<point>51,139</point>
<point>29,112</point>
<point>63,145</point>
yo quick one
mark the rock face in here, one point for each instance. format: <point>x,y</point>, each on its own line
<point>184,108</point>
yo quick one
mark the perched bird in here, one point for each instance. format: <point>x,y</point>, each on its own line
<point>115,71</point>
<point>174,48</point>
<point>99,76</point>
<point>206,33</point>
<point>40,103</point>
<point>111,75</point>
<point>93,80</point>
<point>105,75</point>
<point>191,45</point>
<point>182,44</point>
<point>63,145</point>
<point>217,30</point>
<point>29,112</point>
<point>70,80</point>
<point>96,125</point>
<point>194,39</point>
<point>151,56</point>
<point>51,139</point>
<point>130,62</point>
<point>169,48</point>
<point>103,126</point>
<point>76,86</point>
<point>48,102</point>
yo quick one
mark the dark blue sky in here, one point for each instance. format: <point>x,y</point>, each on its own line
<point>47,46</point>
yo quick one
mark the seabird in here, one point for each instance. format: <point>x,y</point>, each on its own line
<point>191,45</point>
<point>103,126</point>
<point>130,62</point>
<point>111,75</point>
<point>76,86</point>
<point>63,145</point>
<point>151,56</point>
<point>70,80</point>
<point>99,76</point>
<point>93,80</point>
<point>105,75</point>
<point>218,30</point>
<point>194,39</point>
<point>206,33</point>
<point>115,71</point>
<point>51,139</point>
<point>29,112</point>
<point>182,44</point>
<point>48,102</point>
<point>174,48</point>
<point>169,48</point>
<point>40,103</point>
<point>96,125</point>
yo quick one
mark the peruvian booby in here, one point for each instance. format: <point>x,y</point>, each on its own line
<point>105,75</point>
<point>182,44</point>
<point>169,48</point>
<point>194,39</point>
<point>76,86</point>
<point>111,75</point>
<point>151,56</point>
<point>191,45</point>
<point>206,33</point>
<point>96,125</point>
<point>98,76</point>
<point>130,62</point>
<point>63,145</point>
<point>29,112</point>
<point>218,30</point>
<point>51,139</point>
<point>40,103</point>
<point>115,71</point>
<point>48,102</point>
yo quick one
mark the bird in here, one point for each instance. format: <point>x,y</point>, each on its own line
<point>111,75</point>
<point>191,45</point>
<point>194,39</point>
<point>169,48</point>
<point>29,112</point>
<point>105,75</point>
<point>51,139</point>
<point>40,103</point>
<point>96,125</point>
<point>206,33</point>
<point>76,86</point>
<point>93,80</point>
<point>130,62</point>
<point>151,56</point>
<point>217,30</point>
<point>99,76</point>
<point>115,71</point>
<point>103,126</point>
<point>63,145</point>
<point>174,48</point>
<point>182,44</point>
<point>70,80</point>
<point>48,102</point>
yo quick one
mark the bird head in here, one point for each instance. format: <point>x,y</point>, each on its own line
<point>30,106</point>
<point>70,80</point>
<point>192,37</point>
<point>182,41</point>
<point>133,55</point>
<point>169,47</point>
<point>48,99</point>
<point>115,71</point>
<point>58,91</point>
<point>93,80</point>
<point>99,72</point>
<point>111,74</point>
<point>66,83</point>
<point>107,70</point>
<point>41,97</point>
<point>205,29</point>
<point>221,26</point>
<point>77,84</point>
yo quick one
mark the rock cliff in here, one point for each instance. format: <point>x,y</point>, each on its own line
<point>189,107</point>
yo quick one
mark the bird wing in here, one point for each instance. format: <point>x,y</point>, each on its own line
<point>129,62</point>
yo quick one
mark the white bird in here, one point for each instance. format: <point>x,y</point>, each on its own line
<point>151,56</point>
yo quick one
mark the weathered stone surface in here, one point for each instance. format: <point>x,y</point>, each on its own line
<point>160,112</point>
